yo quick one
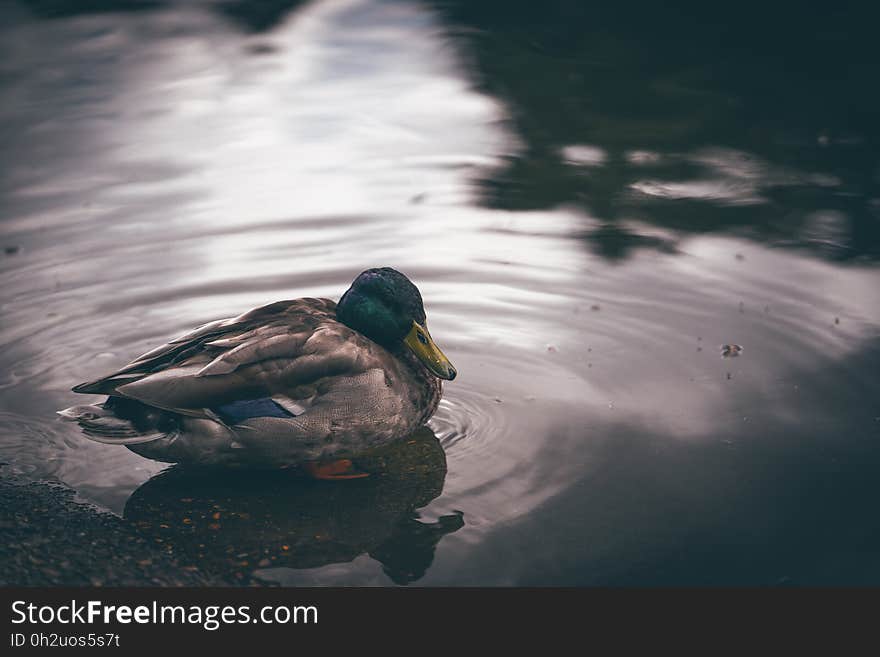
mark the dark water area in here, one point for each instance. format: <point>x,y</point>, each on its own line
<point>593,200</point>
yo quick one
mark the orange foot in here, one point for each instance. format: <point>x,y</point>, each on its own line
<point>333,470</point>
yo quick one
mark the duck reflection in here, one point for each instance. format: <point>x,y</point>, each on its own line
<point>232,523</point>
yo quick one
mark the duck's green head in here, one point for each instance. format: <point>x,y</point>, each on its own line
<point>385,306</point>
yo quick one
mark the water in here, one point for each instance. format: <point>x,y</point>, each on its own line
<point>592,206</point>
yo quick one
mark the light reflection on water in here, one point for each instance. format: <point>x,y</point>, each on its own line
<point>169,170</point>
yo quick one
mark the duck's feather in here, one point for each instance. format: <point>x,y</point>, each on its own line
<point>273,319</point>
<point>285,347</point>
<point>103,425</point>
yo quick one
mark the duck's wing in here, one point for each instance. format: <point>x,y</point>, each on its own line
<point>276,349</point>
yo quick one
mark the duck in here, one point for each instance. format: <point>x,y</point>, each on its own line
<point>307,383</point>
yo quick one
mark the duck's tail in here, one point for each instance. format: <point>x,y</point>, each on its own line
<point>120,421</point>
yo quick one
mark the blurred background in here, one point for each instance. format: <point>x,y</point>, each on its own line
<point>593,198</point>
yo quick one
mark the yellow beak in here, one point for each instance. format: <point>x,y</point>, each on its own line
<point>421,344</point>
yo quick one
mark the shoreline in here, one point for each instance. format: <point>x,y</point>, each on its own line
<point>52,540</point>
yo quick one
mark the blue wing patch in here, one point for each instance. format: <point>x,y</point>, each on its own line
<point>245,409</point>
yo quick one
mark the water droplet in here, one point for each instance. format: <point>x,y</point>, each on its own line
<point>731,350</point>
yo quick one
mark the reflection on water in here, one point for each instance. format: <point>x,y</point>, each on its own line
<point>699,121</point>
<point>264,525</point>
<point>589,219</point>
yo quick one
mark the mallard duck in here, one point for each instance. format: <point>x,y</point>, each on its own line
<point>300,382</point>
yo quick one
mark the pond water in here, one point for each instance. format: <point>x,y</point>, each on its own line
<point>592,206</point>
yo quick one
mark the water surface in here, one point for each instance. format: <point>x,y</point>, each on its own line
<point>590,217</point>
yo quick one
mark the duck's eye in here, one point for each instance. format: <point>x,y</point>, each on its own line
<point>422,338</point>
